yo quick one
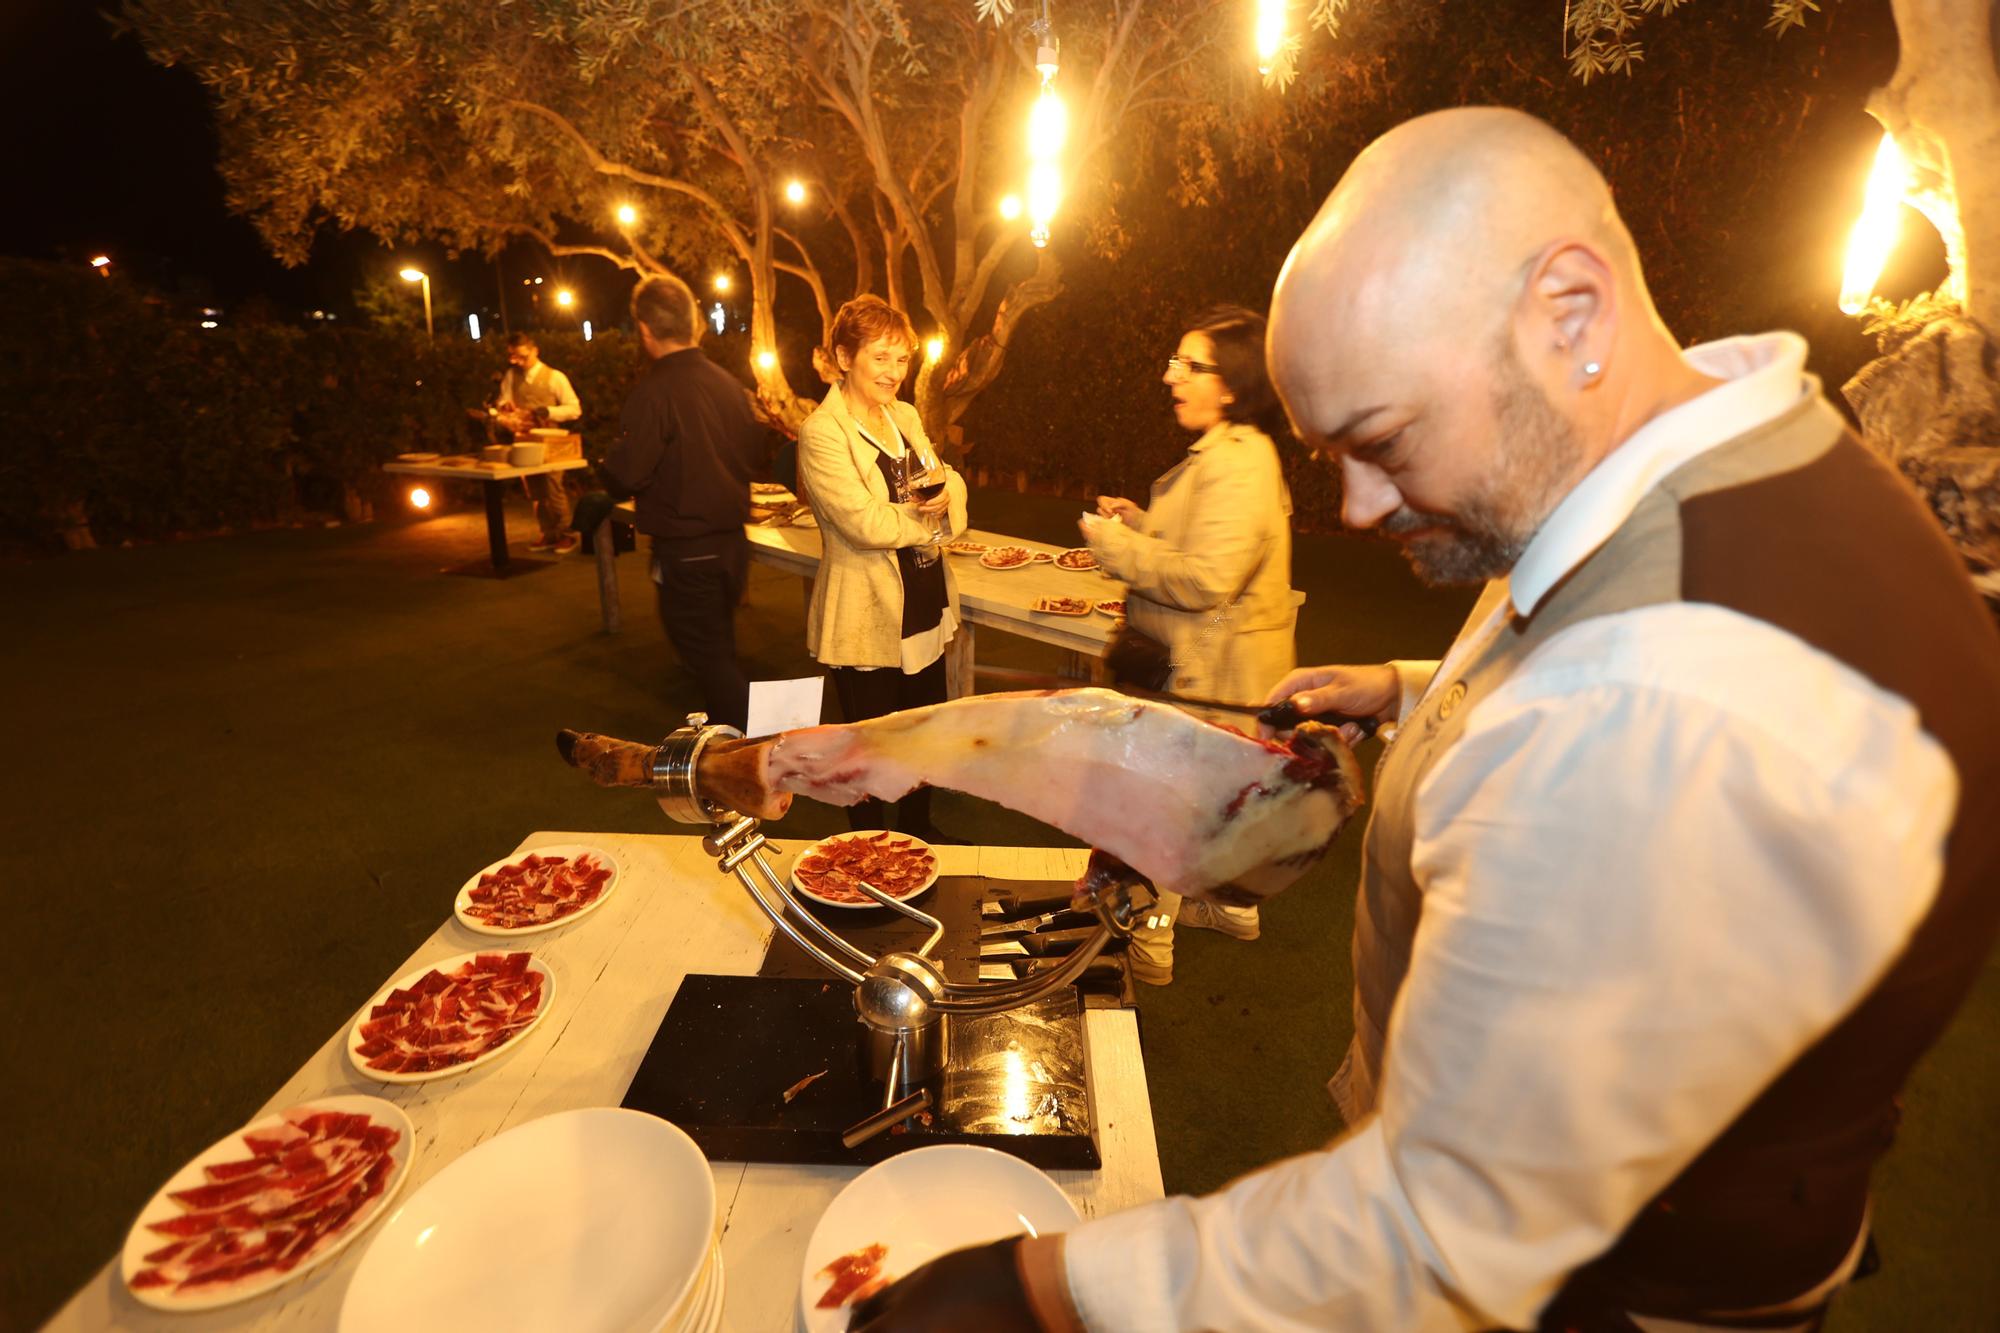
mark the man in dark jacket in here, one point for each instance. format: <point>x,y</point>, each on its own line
<point>688,446</point>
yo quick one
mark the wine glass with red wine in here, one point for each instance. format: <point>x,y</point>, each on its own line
<point>927,483</point>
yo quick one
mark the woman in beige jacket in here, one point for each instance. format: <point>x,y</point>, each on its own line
<point>1208,564</point>
<point>884,606</point>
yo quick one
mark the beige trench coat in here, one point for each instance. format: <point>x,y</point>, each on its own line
<point>857,607</point>
<point>1219,527</point>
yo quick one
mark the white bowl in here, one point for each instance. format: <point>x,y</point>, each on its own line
<point>599,1220</point>
<point>526,455</point>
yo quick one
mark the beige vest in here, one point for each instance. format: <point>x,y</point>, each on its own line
<point>1638,566</point>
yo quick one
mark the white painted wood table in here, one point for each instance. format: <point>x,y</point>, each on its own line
<point>494,477</point>
<point>1001,599</point>
<point>616,971</point>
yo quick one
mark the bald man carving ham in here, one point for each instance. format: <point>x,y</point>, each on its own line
<point>1680,858</point>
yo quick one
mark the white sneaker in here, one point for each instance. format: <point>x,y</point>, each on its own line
<point>1238,923</point>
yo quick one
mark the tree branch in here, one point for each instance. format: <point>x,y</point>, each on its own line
<point>604,166</point>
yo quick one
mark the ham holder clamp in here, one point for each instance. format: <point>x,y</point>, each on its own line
<point>903,999</point>
<point>1166,800</point>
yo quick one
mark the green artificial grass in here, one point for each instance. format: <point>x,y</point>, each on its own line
<point>250,773</point>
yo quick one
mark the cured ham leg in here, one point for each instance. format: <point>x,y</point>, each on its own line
<point>1197,809</point>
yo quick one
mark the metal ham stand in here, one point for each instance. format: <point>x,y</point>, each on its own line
<point>903,999</point>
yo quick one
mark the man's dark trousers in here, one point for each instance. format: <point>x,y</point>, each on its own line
<point>701,580</point>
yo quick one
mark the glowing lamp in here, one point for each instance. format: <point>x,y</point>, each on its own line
<point>565,297</point>
<point>1048,125</point>
<point>722,283</point>
<point>766,360</point>
<point>1010,207</point>
<point>472,326</point>
<point>934,347</point>
<point>1270,32</point>
<point>412,275</point>
<point>1876,231</point>
<point>795,192</point>
<point>101,262</point>
<point>419,498</point>
<point>627,215</point>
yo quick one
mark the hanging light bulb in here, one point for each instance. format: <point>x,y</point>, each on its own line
<point>1270,32</point>
<point>1048,130</point>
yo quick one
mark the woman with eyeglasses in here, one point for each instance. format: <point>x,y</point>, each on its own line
<point>1208,563</point>
<point>884,606</point>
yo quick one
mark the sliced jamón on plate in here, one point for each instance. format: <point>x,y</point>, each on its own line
<point>538,890</point>
<point>1063,606</point>
<point>273,1200</point>
<point>1111,606</point>
<point>963,547</point>
<point>1079,558</point>
<point>829,871</point>
<point>451,1017</point>
<point>1007,557</point>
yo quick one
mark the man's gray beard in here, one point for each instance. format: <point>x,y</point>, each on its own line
<point>1486,537</point>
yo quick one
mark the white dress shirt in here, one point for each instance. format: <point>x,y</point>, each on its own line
<point>1664,858</point>
<point>550,383</point>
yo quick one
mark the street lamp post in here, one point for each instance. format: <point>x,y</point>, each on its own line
<point>418,275</point>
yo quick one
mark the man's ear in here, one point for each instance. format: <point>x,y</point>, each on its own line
<point>1568,308</point>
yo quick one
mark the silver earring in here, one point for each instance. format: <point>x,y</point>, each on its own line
<point>1591,370</point>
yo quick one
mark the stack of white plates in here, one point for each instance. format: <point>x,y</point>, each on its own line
<point>701,1312</point>
<point>593,1221</point>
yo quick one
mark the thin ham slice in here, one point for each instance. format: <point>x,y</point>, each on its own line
<point>1196,808</point>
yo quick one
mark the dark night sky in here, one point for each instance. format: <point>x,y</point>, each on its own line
<point>106,152</point>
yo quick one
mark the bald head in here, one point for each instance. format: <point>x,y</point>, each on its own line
<point>1432,227</point>
<point>1465,326</point>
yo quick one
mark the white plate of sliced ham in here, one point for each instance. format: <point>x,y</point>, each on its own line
<point>897,864</point>
<point>276,1199</point>
<point>900,1214</point>
<point>539,889</point>
<point>451,1017</point>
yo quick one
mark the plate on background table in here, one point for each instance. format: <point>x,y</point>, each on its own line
<point>963,547</point>
<point>1077,558</point>
<point>1041,558</point>
<point>1007,557</point>
<point>825,870</point>
<point>599,1220</point>
<point>567,882</point>
<point>1113,607</point>
<point>924,1203</point>
<point>502,987</point>
<point>266,1156</point>
<point>1062,606</point>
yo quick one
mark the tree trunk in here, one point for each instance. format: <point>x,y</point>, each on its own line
<point>1931,403</point>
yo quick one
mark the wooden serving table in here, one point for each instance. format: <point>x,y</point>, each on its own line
<point>1001,599</point>
<point>495,476</point>
<point>671,914</point>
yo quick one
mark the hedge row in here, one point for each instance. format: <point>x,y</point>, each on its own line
<point>130,421</point>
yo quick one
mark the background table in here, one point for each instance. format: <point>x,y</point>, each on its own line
<point>494,476</point>
<point>1000,599</point>
<point>672,913</point>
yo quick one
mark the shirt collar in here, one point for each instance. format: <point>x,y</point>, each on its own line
<point>1762,376</point>
<point>1211,435</point>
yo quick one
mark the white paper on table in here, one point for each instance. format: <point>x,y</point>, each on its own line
<point>781,705</point>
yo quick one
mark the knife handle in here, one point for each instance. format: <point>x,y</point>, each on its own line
<point>1285,716</point>
<point>1032,904</point>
